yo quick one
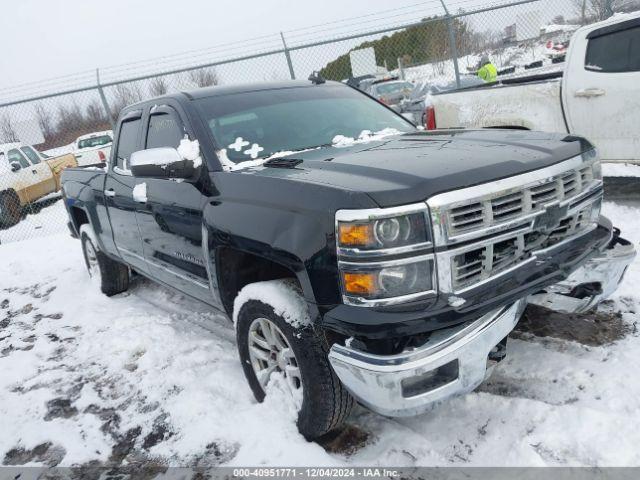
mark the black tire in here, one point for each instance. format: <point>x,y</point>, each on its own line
<point>10,209</point>
<point>326,403</point>
<point>113,275</point>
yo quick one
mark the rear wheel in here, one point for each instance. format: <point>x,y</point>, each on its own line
<point>10,209</point>
<point>267,344</point>
<point>110,275</point>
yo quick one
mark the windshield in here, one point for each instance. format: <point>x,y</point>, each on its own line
<point>258,124</point>
<point>94,141</point>
<point>387,88</point>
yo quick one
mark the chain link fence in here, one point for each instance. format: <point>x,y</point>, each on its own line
<point>50,125</point>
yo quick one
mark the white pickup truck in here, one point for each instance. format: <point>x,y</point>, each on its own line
<point>93,148</point>
<point>596,96</point>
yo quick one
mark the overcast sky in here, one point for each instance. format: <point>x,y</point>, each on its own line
<point>44,39</point>
<point>49,38</point>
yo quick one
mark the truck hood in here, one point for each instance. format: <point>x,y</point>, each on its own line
<point>412,167</point>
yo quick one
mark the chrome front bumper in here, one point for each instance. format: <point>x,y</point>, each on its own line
<point>452,362</point>
<point>594,281</point>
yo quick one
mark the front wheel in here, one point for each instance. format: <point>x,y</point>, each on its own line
<point>267,343</point>
<point>112,276</point>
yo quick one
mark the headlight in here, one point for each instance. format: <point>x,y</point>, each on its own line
<point>385,256</point>
<point>376,234</point>
<point>387,280</point>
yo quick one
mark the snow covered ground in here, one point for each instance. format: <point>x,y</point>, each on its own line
<point>620,170</point>
<point>512,56</point>
<point>46,218</point>
<point>150,375</point>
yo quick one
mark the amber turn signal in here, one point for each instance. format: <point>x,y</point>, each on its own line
<point>359,283</point>
<point>354,235</point>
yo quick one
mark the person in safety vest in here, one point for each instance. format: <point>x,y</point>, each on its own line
<point>487,70</point>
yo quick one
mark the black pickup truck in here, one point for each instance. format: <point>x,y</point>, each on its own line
<point>360,258</point>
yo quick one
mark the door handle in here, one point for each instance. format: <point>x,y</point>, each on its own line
<point>110,193</point>
<point>589,92</point>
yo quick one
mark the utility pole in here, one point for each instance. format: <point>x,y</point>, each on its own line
<point>452,42</point>
<point>287,54</point>
<point>103,98</point>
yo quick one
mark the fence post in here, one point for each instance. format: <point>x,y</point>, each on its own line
<point>288,55</point>
<point>452,42</point>
<point>103,98</point>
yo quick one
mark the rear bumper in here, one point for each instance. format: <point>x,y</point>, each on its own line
<point>452,362</point>
<point>594,281</point>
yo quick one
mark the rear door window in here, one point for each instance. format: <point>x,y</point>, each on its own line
<point>127,143</point>
<point>614,52</point>
<point>33,156</point>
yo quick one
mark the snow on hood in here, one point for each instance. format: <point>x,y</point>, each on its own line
<point>364,137</point>
<point>231,166</point>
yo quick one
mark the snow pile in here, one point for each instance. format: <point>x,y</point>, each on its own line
<point>139,193</point>
<point>190,150</point>
<point>558,28</point>
<point>364,137</point>
<point>231,166</point>
<point>620,170</point>
<point>283,295</point>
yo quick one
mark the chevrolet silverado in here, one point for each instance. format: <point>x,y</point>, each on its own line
<point>360,258</point>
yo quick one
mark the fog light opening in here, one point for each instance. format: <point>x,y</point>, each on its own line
<point>430,380</point>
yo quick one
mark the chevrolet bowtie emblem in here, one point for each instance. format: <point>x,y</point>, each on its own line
<point>550,218</point>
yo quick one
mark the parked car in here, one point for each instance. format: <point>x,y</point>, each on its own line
<point>414,107</point>
<point>26,176</point>
<point>386,269</point>
<point>392,92</point>
<point>592,97</point>
<point>93,148</point>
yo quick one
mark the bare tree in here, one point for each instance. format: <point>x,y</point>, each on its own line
<point>95,115</point>
<point>123,95</point>
<point>7,133</point>
<point>158,86</point>
<point>45,121</point>
<point>597,9</point>
<point>204,77</point>
<point>70,118</point>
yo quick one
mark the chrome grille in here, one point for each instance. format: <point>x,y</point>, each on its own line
<point>477,214</point>
<point>494,257</point>
<point>488,229</point>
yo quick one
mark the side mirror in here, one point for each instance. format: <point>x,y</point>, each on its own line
<point>15,166</point>
<point>160,163</point>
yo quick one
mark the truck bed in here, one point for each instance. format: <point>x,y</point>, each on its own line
<point>500,105</point>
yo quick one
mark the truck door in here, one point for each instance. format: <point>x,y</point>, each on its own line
<point>25,179</point>
<point>118,193</point>
<point>602,89</point>
<point>170,218</point>
<point>46,183</point>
